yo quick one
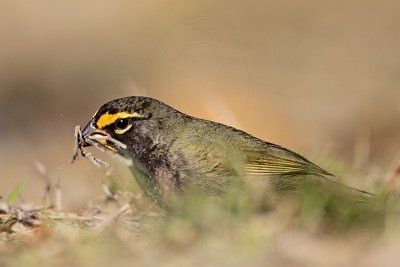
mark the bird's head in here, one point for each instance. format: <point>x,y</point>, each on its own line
<point>128,125</point>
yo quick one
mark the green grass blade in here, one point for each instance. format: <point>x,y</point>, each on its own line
<point>12,197</point>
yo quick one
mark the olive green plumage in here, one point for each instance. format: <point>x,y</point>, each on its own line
<point>172,153</point>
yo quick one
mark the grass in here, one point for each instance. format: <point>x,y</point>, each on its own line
<point>123,229</point>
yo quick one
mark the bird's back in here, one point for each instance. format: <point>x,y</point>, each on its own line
<point>216,156</point>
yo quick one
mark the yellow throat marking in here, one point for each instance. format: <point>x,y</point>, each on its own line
<point>107,119</point>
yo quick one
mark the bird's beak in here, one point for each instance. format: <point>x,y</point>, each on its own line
<point>91,134</point>
<point>88,130</point>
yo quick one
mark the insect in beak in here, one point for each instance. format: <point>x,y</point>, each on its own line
<point>93,136</point>
<point>82,141</point>
<point>90,136</point>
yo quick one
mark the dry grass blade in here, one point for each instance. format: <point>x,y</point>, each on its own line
<point>28,218</point>
<point>77,144</point>
<point>392,185</point>
<point>109,221</point>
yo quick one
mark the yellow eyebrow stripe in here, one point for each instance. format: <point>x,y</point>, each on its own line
<point>108,119</point>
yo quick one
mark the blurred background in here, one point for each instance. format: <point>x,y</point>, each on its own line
<point>318,77</point>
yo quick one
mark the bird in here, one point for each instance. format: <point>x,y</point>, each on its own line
<point>172,153</point>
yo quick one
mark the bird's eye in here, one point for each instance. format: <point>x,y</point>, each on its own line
<point>121,124</point>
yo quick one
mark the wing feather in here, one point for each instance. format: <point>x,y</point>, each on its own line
<point>278,160</point>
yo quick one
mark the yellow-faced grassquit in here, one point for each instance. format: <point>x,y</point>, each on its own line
<point>171,153</point>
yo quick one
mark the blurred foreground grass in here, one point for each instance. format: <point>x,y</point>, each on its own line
<point>122,229</point>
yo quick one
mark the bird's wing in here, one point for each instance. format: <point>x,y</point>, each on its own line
<point>276,160</point>
<point>294,172</point>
